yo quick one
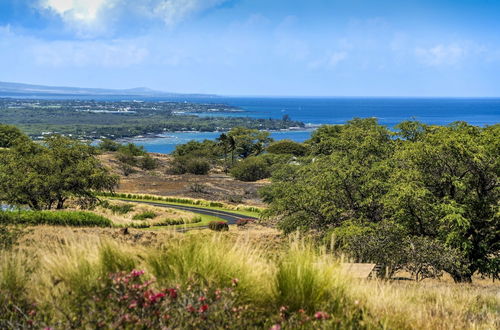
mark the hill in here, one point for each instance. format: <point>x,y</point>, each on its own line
<point>10,89</point>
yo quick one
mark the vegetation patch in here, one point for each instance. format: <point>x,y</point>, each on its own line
<point>56,218</point>
<point>144,215</point>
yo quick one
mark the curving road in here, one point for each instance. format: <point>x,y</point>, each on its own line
<point>230,217</point>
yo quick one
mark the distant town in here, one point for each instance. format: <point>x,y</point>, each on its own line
<point>96,119</point>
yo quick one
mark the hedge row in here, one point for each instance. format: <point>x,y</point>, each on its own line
<point>166,222</point>
<point>57,218</point>
<point>177,200</point>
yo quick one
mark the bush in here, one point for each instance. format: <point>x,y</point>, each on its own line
<point>132,150</point>
<point>126,159</point>
<point>198,188</point>
<point>108,145</point>
<point>148,163</point>
<point>218,226</point>
<point>251,169</point>
<point>182,165</point>
<point>56,218</point>
<point>287,147</point>
<point>120,209</point>
<point>198,166</point>
<point>144,215</point>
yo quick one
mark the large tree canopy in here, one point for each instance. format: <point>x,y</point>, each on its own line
<point>44,176</point>
<point>436,182</point>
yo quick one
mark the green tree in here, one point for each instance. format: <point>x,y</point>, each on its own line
<point>445,185</point>
<point>9,135</point>
<point>287,147</point>
<point>45,176</point>
<point>346,183</point>
<point>249,141</point>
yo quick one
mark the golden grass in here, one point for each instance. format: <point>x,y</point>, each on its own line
<point>430,305</point>
<point>72,259</point>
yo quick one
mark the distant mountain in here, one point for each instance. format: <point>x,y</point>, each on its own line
<point>8,89</point>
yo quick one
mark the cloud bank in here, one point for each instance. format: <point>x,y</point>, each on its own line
<point>96,17</point>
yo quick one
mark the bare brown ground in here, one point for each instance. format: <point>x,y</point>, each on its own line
<point>216,186</point>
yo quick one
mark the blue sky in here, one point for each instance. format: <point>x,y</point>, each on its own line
<point>256,47</point>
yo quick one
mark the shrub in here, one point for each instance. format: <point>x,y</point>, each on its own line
<point>198,188</point>
<point>251,169</point>
<point>218,226</point>
<point>108,145</point>
<point>148,163</point>
<point>120,209</point>
<point>198,166</point>
<point>127,169</point>
<point>182,165</point>
<point>144,215</point>
<point>126,159</point>
<point>132,150</point>
<point>235,198</point>
<point>57,218</point>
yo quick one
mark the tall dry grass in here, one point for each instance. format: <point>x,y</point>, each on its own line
<point>60,274</point>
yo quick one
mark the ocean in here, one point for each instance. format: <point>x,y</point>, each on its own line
<point>317,111</point>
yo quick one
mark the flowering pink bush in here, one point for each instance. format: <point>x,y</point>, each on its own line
<point>131,300</point>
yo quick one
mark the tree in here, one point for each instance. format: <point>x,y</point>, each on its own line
<point>251,169</point>
<point>445,185</point>
<point>427,258</point>
<point>381,243</point>
<point>440,183</point>
<point>346,183</point>
<point>10,135</point>
<point>249,141</point>
<point>287,147</point>
<point>45,176</point>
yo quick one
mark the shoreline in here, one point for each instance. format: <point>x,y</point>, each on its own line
<point>152,136</point>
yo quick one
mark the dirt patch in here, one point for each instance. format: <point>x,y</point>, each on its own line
<point>216,186</point>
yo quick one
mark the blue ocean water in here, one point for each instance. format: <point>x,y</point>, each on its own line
<point>389,111</point>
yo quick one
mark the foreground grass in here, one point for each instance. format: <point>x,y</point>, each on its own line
<point>220,282</point>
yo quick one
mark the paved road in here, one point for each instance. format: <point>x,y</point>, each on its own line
<point>230,217</point>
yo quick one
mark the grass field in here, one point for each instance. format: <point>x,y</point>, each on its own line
<point>58,276</point>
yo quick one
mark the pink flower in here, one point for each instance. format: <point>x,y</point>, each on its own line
<point>133,304</point>
<point>235,281</point>
<point>172,293</point>
<point>136,273</point>
<point>203,308</point>
<point>321,316</point>
<point>191,309</point>
<point>202,299</point>
<point>276,327</point>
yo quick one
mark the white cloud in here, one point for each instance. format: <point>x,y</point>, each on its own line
<point>441,55</point>
<point>174,11</point>
<point>95,17</point>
